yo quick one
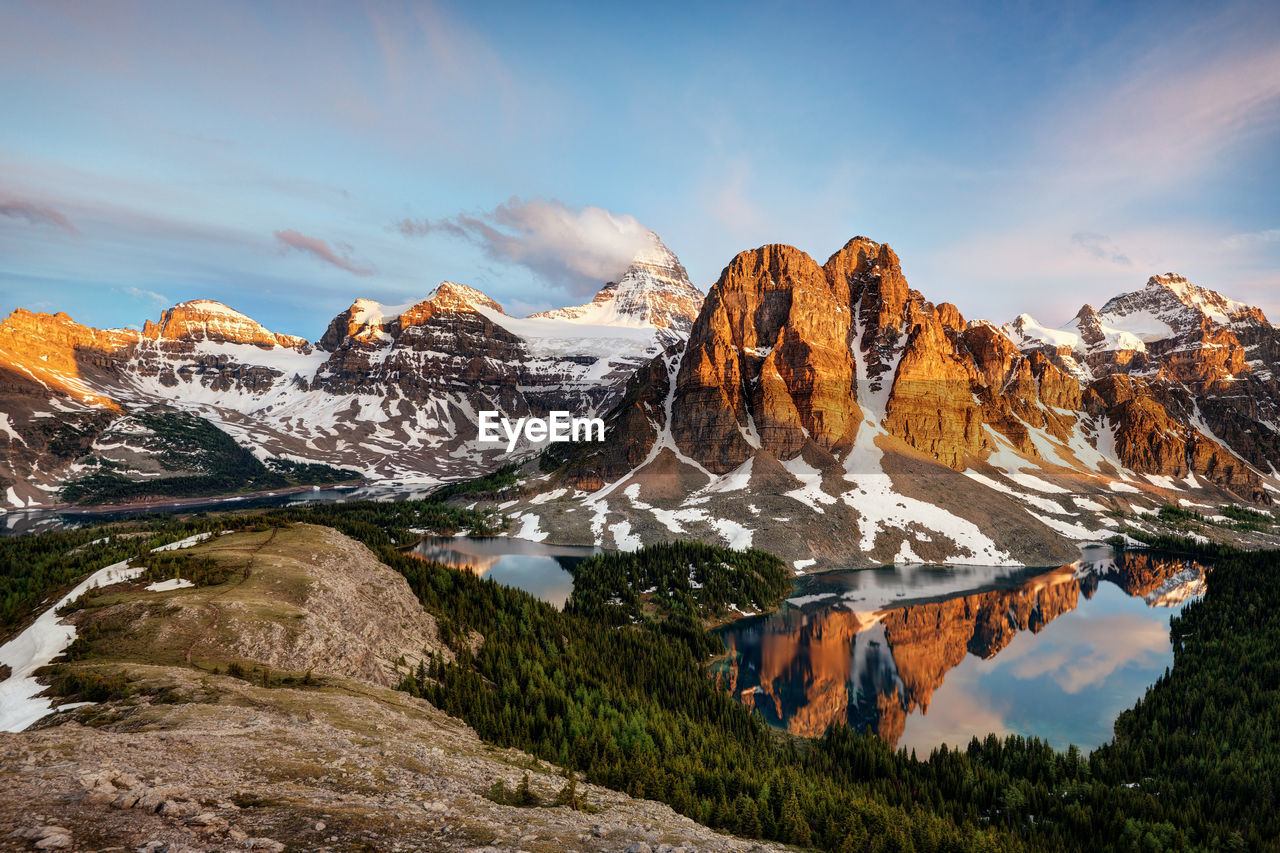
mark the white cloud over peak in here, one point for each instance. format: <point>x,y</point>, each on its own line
<point>575,248</point>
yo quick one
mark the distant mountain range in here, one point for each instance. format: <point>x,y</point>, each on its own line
<point>818,410</point>
<point>391,392</point>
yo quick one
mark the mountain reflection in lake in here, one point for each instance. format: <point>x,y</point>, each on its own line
<point>540,570</point>
<point>930,655</point>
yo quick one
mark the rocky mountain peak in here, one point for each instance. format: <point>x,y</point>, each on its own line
<point>208,320</point>
<point>1088,323</point>
<point>869,274</point>
<point>1170,280</point>
<point>654,290</point>
<point>768,365</point>
<point>1180,305</point>
<point>449,295</point>
<point>448,298</point>
<point>951,317</point>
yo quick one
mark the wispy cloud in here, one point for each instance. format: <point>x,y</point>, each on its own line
<point>1178,108</point>
<point>575,248</point>
<point>139,293</point>
<point>36,214</point>
<point>1077,661</point>
<point>321,250</point>
<point>1124,145</point>
<point>1253,238</point>
<point>1100,247</point>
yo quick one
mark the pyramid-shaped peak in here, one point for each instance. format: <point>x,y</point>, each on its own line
<point>451,294</point>
<point>655,252</point>
<point>1169,280</point>
<point>654,290</point>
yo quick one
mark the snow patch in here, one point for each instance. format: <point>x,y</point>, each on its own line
<point>881,507</point>
<point>169,585</point>
<point>37,646</point>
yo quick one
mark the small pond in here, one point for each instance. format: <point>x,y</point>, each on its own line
<point>540,570</point>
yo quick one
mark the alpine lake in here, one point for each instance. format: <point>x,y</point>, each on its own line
<point>925,655</point>
<point>920,655</point>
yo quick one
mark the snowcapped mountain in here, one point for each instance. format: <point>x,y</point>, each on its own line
<point>831,412</point>
<point>390,391</point>
<point>818,410</point>
<point>1133,330</point>
<point>1211,361</point>
<point>653,291</point>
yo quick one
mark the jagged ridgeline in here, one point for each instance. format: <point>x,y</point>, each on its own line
<point>828,410</point>
<point>391,391</point>
<point>817,410</point>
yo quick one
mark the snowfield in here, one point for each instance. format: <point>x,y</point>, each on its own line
<point>37,646</point>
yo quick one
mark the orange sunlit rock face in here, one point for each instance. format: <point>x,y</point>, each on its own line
<point>53,350</point>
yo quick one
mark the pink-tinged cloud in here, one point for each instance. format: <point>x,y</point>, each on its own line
<point>320,249</point>
<point>36,214</point>
<point>576,248</point>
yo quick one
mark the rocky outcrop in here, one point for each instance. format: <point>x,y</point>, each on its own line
<point>60,355</point>
<point>932,406</point>
<point>787,352</point>
<point>207,320</point>
<point>354,616</point>
<point>767,365</point>
<point>1150,440</point>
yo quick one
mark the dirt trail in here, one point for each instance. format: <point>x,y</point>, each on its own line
<point>217,614</point>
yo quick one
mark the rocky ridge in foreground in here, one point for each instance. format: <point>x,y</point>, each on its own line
<point>195,758</point>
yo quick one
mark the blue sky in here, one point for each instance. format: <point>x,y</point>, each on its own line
<point>288,157</point>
